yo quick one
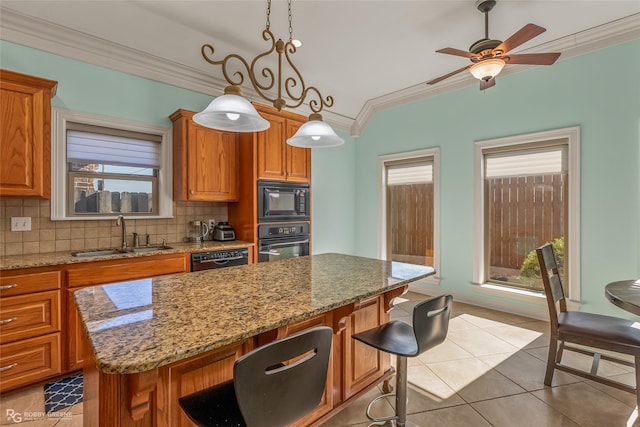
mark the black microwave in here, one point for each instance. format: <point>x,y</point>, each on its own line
<point>283,201</point>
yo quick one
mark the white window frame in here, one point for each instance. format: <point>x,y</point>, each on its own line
<point>59,188</point>
<point>433,153</point>
<point>572,262</point>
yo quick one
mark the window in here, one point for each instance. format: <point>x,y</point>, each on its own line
<point>409,212</point>
<point>527,196</point>
<point>105,167</point>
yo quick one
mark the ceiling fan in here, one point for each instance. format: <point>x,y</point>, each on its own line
<point>489,56</point>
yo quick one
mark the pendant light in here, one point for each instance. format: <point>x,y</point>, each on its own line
<point>315,134</point>
<point>232,112</point>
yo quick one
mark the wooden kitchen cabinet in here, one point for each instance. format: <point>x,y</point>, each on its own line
<point>89,274</point>
<point>25,135</point>
<point>191,375</point>
<point>363,363</point>
<point>278,161</point>
<point>205,161</point>
<point>30,327</point>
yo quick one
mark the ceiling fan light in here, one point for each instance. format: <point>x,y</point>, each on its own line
<point>231,113</point>
<point>487,69</point>
<point>315,134</point>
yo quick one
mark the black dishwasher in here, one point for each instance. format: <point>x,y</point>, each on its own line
<point>219,259</point>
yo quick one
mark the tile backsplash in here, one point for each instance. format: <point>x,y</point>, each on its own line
<point>56,236</point>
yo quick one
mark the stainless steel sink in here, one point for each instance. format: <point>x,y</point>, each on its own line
<point>98,252</point>
<point>143,249</point>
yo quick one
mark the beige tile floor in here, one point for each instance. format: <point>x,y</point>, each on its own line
<point>488,372</point>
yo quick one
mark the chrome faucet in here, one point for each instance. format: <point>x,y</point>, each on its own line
<point>120,222</point>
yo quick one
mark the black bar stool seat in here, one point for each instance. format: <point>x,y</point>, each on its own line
<point>430,326</point>
<point>273,385</point>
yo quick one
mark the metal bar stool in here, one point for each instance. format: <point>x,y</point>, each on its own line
<point>272,386</point>
<point>430,326</point>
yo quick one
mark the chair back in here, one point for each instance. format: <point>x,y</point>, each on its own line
<point>552,282</point>
<point>431,321</point>
<point>280,382</point>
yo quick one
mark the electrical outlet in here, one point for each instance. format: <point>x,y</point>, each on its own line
<point>20,223</point>
<point>212,223</point>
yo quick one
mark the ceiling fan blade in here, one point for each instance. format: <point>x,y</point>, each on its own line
<point>446,76</point>
<point>486,84</point>
<point>457,52</point>
<point>521,36</point>
<point>532,58</point>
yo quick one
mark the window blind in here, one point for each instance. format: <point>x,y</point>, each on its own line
<point>410,173</point>
<point>552,160</point>
<point>89,147</point>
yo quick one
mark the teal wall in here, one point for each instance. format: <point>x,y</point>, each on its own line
<point>333,198</point>
<point>92,89</point>
<point>600,92</point>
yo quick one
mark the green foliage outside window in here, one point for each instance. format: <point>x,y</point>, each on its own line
<point>530,266</point>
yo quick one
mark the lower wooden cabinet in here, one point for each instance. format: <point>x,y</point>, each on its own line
<point>30,327</point>
<point>363,363</point>
<point>27,361</point>
<point>30,315</point>
<point>192,375</point>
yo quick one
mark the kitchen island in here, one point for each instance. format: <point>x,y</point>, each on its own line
<point>154,340</point>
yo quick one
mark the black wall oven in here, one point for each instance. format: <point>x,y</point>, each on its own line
<point>283,201</point>
<point>282,241</point>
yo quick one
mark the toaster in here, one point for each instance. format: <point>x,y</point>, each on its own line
<point>223,232</point>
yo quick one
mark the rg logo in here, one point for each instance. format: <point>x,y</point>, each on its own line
<point>14,416</point>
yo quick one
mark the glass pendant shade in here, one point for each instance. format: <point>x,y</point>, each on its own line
<point>487,69</point>
<point>231,112</point>
<point>315,134</point>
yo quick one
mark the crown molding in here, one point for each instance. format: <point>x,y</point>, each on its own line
<point>610,34</point>
<point>42,35</point>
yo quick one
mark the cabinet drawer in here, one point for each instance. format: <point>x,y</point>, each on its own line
<point>27,283</point>
<point>97,275</point>
<point>28,361</point>
<point>26,316</point>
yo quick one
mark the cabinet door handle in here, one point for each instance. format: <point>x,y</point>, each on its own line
<point>5,287</point>
<point>6,368</point>
<point>5,321</point>
<point>192,191</point>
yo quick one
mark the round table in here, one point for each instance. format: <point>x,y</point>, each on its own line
<point>625,294</point>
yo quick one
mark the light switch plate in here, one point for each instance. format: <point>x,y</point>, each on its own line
<point>20,223</point>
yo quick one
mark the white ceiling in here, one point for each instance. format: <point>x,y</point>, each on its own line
<point>368,55</point>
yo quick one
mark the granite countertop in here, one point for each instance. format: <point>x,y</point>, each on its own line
<point>58,258</point>
<point>140,325</point>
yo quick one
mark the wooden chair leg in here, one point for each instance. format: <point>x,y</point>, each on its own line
<point>637,368</point>
<point>560,351</point>
<point>551,361</point>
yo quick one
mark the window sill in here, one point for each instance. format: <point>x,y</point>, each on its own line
<point>520,295</point>
<point>108,218</point>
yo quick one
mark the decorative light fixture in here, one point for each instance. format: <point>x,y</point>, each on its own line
<point>487,69</point>
<point>315,134</point>
<point>235,113</point>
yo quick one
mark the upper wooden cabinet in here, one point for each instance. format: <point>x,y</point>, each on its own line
<point>278,161</point>
<point>205,161</point>
<point>25,135</point>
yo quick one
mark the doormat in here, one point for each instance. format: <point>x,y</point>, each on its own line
<point>62,394</point>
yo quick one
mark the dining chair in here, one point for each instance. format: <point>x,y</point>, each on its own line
<point>597,331</point>
<point>273,385</point>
